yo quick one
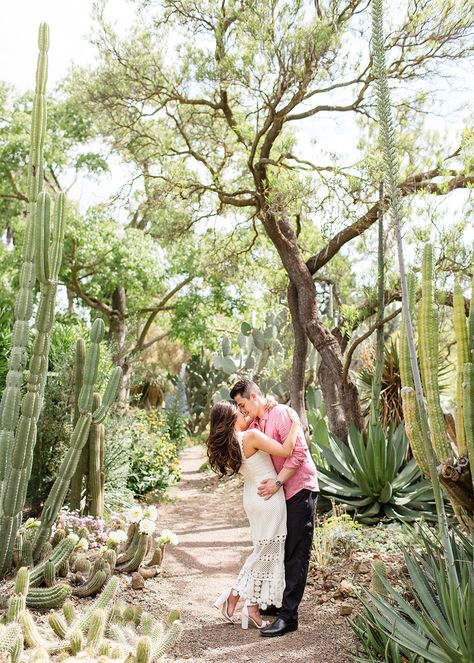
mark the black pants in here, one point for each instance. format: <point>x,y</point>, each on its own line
<point>300,510</point>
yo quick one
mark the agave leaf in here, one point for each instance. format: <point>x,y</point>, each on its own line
<point>410,472</point>
<point>371,510</point>
<point>427,601</point>
<point>332,456</point>
<point>356,445</point>
<point>392,467</point>
<point>334,484</point>
<point>400,445</point>
<point>406,635</point>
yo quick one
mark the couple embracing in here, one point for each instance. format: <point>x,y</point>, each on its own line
<point>264,442</point>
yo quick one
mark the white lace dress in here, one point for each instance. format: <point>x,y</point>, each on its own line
<point>262,578</point>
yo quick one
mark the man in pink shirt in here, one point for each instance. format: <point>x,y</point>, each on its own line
<point>297,477</point>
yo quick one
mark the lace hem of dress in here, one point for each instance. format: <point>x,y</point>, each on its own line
<point>262,578</point>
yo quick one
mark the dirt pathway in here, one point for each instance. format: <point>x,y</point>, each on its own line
<point>214,540</point>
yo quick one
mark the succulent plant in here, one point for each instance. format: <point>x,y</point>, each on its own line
<point>453,459</point>
<point>372,478</point>
<point>258,345</point>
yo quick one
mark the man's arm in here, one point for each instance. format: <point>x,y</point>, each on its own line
<point>268,487</point>
<point>298,456</point>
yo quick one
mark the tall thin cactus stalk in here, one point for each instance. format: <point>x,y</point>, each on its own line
<point>76,482</point>
<point>10,403</point>
<point>391,179</point>
<point>48,256</point>
<point>379,353</point>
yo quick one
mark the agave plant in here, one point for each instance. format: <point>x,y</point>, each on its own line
<point>438,625</point>
<point>372,478</point>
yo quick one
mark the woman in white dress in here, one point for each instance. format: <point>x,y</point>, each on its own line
<point>232,449</point>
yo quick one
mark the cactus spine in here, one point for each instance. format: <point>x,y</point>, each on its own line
<point>48,597</point>
<point>378,575</point>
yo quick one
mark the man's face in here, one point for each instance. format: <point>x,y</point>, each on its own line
<point>248,406</point>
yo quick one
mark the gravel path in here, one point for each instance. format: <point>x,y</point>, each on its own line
<point>214,540</point>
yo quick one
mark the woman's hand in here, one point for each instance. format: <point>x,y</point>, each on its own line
<point>270,403</point>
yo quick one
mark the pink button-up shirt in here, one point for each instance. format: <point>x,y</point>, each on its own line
<point>276,424</point>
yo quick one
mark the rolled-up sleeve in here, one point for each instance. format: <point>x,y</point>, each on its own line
<point>299,451</point>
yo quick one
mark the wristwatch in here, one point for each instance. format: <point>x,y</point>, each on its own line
<point>278,483</point>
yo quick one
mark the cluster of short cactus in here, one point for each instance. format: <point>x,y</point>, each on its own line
<point>454,448</point>
<point>107,630</point>
<point>257,347</point>
<point>142,552</point>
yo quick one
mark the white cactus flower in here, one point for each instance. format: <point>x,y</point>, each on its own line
<point>147,526</point>
<point>167,536</point>
<point>135,514</point>
<point>150,512</point>
<point>83,544</point>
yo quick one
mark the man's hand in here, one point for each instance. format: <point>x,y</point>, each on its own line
<point>267,488</point>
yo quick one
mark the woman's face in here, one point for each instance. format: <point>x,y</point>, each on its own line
<point>240,422</point>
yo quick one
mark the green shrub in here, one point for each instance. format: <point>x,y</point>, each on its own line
<point>118,442</point>
<point>154,463</point>
<point>176,424</point>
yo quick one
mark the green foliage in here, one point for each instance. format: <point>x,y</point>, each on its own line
<point>201,381</point>
<point>119,438</point>
<point>372,478</point>
<point>334,536</point>
<point>316,414</point>
<point>437,624</point>
<point>154,463</point>
<point>176,424</point>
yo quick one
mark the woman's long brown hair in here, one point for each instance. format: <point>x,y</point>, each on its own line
<point>223,448</point>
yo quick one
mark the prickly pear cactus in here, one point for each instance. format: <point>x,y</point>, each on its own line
<point>259,346</point>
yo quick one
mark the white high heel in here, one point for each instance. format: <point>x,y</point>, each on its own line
<point>222,604</point>
<point>246,618</point>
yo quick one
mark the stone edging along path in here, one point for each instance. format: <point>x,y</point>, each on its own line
<point>214,540</point>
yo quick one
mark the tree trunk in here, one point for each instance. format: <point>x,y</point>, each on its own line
<point>341,396</point>
<point>118,337</point>
<point>297,389</point>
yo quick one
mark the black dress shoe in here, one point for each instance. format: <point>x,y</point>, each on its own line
<point>279,627</point>
<point>270,610</point>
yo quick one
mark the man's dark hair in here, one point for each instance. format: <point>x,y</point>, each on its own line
<point>244,388</point>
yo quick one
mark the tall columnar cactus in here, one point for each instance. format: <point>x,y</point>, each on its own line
<point>95,456</point>
<point>429,360</point>
<point>80,434</point>
<point>76,481</point>
<point>451,463</point>
<point>462,358</point>
<point>48,259</point>
<point>10,403</point>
